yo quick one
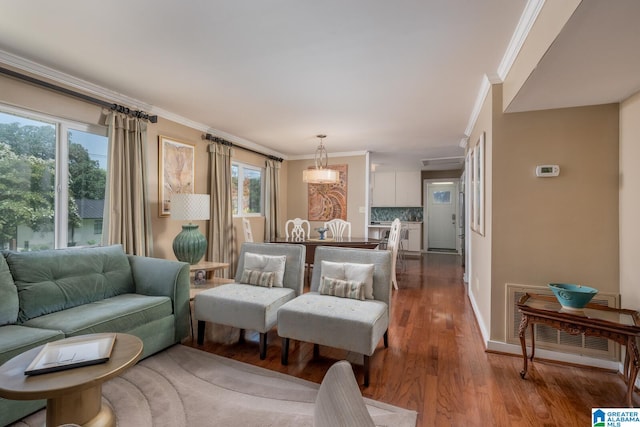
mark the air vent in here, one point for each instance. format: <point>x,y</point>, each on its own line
<point>443,163</point>
<point>550,338</point>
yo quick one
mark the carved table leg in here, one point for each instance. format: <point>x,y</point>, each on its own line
<point>634,365</point>
<point>533,344</point>
<point>523,343</point>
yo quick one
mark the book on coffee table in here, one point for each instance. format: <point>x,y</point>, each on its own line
<point>72,353</point>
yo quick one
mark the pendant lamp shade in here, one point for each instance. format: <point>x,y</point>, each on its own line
<point>321,174</point>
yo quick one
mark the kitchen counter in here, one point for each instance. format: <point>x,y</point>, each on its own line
<point>411,244</point>
<point>387,224</point>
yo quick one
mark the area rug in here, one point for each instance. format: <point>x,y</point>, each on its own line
<point>183,386</point>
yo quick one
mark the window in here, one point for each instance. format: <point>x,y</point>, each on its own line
<point>97,227</point>
<point>246,190</point>
<point>52,181</point>
<point>442,197</point>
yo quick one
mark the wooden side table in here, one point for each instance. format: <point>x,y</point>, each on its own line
<point>74,396</point>
<point>208,283</point>
<point>210,268</point>
<point>617,324</point>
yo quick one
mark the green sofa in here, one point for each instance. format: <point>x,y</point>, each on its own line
<point>49,295</point>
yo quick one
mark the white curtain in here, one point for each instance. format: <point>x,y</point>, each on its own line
<point>127,219</point>
<point>272,192</point>
<point>220,237</point>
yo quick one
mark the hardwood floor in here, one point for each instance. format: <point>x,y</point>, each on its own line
<point>436,363</point>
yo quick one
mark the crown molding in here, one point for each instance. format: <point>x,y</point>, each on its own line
<point>245,143</point>
<point>527,19</point>
<point>339,154</point>
<point>39,70</point>
<point>59,77</point>
<point>477,106</point>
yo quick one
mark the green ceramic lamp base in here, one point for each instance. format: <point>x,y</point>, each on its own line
<point>189,245</point>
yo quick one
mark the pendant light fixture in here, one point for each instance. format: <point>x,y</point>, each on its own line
<point>321,174</point>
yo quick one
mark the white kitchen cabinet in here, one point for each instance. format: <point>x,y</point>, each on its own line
<point>384,189</point>
<point>408,189</point>
<point>396,189</point>
<point>413,243</point>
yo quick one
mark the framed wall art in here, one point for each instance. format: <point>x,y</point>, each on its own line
<point>176,171</point>
<point>329,201</point>
<point>477,185</point>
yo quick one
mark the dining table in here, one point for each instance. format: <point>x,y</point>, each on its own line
<point>312,243</point>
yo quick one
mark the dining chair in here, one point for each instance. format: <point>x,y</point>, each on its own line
<point>338,227</point>
<point>246,227</point>
<point>392,245</point>
<point>301,229</point>
<point>404,236</point>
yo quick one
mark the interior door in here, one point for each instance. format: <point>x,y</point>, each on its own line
<point>442,211</point>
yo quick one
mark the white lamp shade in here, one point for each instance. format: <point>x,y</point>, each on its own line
<point>191,207</point>
<point>320,176</point>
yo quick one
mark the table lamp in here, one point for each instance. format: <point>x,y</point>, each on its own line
<point>190,244</point>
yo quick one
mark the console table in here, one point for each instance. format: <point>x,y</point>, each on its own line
<point>619,325</point>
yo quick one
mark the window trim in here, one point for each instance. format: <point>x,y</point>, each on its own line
<point>61,182</point>
<point>241,166</point>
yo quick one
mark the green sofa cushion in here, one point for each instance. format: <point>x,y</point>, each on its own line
<point>8,295</point>
<point>117,314</point>
<point>54,280</point>
<point>16,339</point>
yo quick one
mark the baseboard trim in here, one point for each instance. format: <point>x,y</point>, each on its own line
<point>575,359</point>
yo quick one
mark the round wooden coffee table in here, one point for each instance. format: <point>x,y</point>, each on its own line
<point>74,396</point>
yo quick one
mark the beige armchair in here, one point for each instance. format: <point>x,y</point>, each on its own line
<point>254,306</point>
<point>350,324</point>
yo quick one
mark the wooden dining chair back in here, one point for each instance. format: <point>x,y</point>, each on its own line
<point>300,229</point>
<point>246,227</point>
<point>338,228</point>
<point>393,244</point>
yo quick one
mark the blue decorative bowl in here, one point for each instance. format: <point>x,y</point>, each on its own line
<point>572,296</point>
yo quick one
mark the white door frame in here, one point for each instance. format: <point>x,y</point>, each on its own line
<point>425,207</point>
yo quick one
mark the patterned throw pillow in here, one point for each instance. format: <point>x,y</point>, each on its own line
<point>350,271</point>
<point>258,278</point>
<point>341,288</point>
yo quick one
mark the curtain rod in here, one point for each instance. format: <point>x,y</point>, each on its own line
<point>213,138</point>
<point>63,90</point>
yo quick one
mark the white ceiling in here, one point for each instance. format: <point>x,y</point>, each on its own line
<point>384,76</point>
<point>399,79</point>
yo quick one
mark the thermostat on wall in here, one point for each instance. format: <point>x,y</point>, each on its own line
<point>546,171</point>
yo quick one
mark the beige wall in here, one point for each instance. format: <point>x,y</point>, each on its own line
<point>164,228</point>
<point>562,229</point>
<point>630,202</point>
<point>480,255</point>
<point>18,94</point>
<point>356,191</point>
